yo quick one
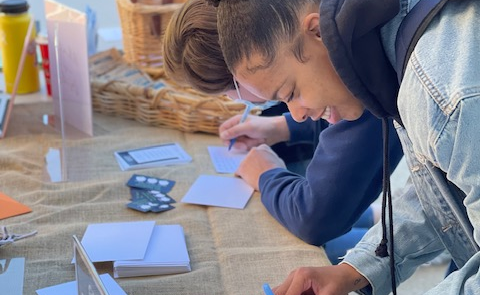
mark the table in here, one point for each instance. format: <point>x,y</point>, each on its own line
<point>232,251</point>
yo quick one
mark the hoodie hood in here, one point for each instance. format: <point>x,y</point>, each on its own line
<point>351,33</point>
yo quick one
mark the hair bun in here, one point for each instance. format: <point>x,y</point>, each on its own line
<point>214,3</point>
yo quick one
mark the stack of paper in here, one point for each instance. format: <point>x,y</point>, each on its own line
<point>106,241</point>
<point>152,156</point>
<point>158,249</point>
<point>166,254</point>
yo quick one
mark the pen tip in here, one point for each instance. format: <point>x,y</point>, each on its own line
<point>232,141</point>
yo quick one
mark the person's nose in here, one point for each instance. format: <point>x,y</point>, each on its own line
<point>298,114</point>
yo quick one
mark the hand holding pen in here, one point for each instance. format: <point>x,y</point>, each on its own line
<point>242,120</point>
<point>249,106</point>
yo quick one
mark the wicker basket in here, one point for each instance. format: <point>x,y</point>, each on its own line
<point>143,27</point>
<point>160,103</point>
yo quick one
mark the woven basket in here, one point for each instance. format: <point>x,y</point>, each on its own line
<point>143,28</point>
<point>169,105</point>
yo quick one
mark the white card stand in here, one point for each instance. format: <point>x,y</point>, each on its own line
<point>67,42</point>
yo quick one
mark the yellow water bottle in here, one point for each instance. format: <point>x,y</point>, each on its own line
<point>14,23</point>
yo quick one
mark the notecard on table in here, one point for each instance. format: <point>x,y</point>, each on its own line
<point>152,156</point>
<point>70,288</point>
<point>225,161</point>
<point>12,275</point>
<point>220,191</point>
<point>118,240</point>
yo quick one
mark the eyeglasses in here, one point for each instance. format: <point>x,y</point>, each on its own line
<point>258,105</point>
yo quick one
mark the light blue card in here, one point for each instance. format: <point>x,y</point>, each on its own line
<point>70,288</point>
<point>12,275</point>
<point>110,241</point>
<point>220,191</point>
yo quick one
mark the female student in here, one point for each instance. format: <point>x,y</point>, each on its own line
<point>326,58</point>
<point>344,176</point>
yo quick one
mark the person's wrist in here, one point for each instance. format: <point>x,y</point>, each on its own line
<point>354,280</point>
<point>281,130</point>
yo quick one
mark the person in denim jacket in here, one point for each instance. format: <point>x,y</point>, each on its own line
<point>324,205</point>
<point>337,57</point>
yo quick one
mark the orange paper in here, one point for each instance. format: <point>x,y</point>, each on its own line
<point>9,207</point>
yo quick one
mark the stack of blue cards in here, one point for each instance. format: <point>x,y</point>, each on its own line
<point>149,194</point>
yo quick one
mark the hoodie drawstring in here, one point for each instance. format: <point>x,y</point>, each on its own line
<point>381,249</point>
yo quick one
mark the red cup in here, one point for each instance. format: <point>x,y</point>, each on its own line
<point>42,42</point>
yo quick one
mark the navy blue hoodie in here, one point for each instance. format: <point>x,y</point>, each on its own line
<point>342,180</point>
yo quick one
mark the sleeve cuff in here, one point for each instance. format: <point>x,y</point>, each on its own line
<point>375,269</point>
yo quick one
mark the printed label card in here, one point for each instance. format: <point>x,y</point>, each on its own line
<point>152,156</point>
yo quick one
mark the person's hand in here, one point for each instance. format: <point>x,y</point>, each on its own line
<point>254,131</point>
<point>328,280</point>
<point>258,160</point>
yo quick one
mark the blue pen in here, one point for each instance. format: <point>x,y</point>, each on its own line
<point>267,289</point>
<point>242,120</point>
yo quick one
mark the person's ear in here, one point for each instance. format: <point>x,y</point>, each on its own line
<point>310,25</point>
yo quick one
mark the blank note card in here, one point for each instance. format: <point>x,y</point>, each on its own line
<point>220,191</point>
<point>225,161</point>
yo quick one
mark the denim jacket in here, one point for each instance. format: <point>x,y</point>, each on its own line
<point>438,103</point>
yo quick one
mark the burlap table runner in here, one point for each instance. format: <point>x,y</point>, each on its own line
<point>231,251</point>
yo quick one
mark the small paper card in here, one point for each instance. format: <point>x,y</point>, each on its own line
<point>225,161</point>
<point>150,195</point>
<point>219,191</point>
<point>112,241</point>
<point>152,156</point>
<point>150,183</point>
<point>9,207</point>
<point>70,288</point>
<point>12,275</point>
<point>150,201</point>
